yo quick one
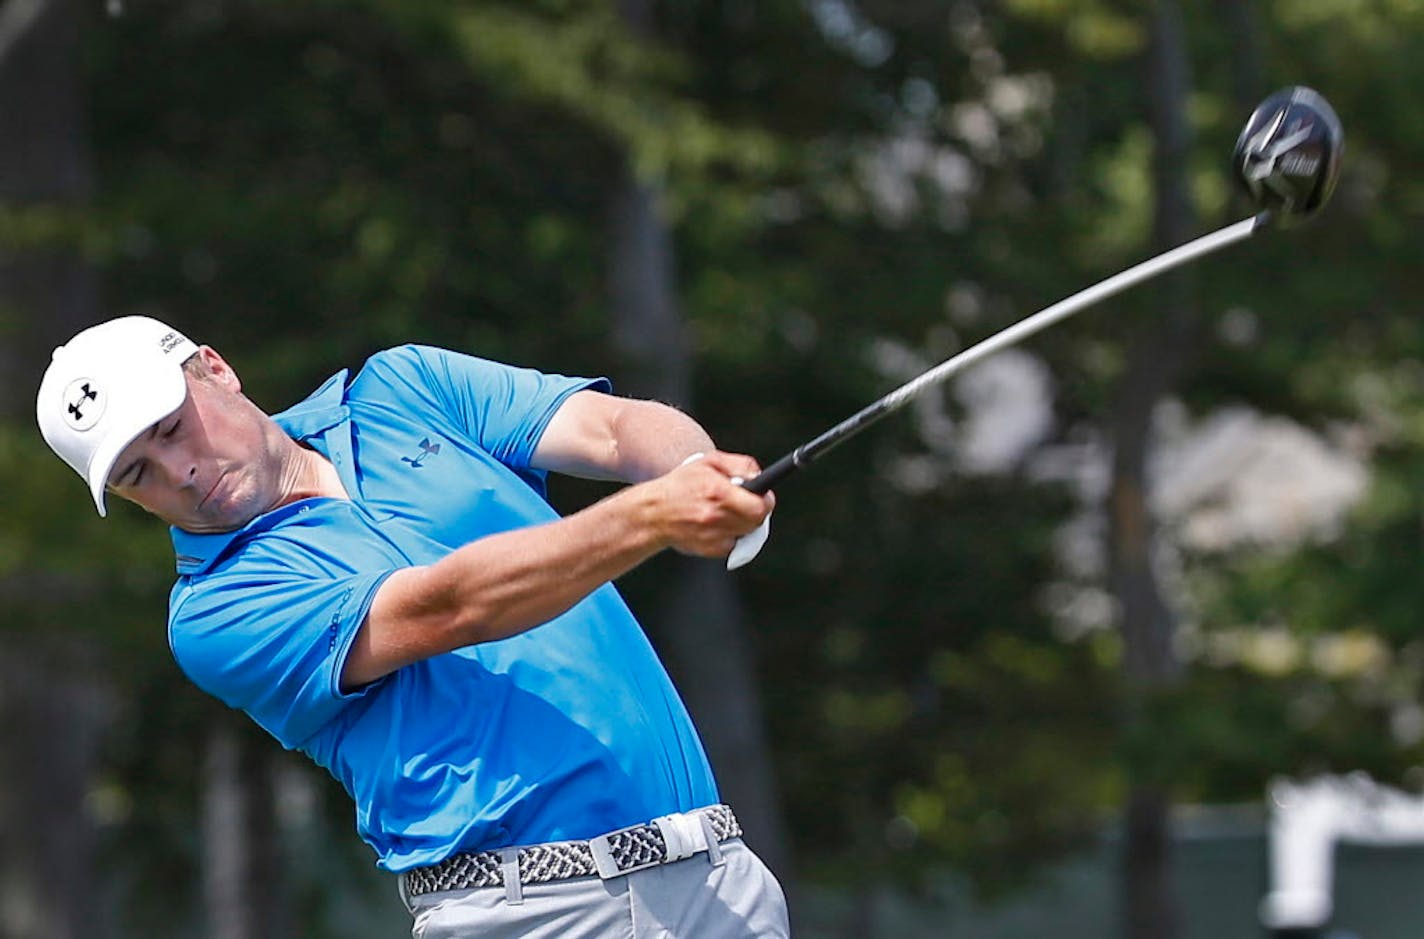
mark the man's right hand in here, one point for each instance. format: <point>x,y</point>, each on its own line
<point>700,509</point>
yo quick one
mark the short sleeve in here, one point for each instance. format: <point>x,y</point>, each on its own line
<point>504,409</point>
<point>272,645</point>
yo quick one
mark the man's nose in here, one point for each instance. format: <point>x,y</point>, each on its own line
<point>178,468</point>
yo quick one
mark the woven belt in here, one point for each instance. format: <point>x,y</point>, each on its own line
<point>661,841</point>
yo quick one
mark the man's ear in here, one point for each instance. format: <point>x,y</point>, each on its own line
<point>219,369</point>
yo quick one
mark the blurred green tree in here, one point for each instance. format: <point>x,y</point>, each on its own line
<point>851,191</point>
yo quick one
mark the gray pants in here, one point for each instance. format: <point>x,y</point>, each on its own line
<point>689,899</point>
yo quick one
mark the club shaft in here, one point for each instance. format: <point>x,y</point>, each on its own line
<point>815,448</point>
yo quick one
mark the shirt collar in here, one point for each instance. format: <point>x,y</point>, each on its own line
<point>319,411</point>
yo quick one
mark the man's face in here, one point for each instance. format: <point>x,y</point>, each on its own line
<point>210,465</point>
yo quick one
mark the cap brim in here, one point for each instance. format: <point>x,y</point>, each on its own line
<point>160,403</point>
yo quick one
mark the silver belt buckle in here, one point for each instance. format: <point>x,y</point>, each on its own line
<point>607,865</point>
<point>603,858</point>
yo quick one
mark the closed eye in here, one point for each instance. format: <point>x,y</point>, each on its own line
<point>129,477</point>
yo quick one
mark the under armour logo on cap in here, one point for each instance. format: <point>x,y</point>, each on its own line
<point>84,405</point>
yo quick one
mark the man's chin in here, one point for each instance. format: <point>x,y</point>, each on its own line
<point>218,519</point>
<point>208,527</point>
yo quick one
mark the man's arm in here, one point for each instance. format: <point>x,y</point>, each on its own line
<point>503,584</point>
<point>600,436</point>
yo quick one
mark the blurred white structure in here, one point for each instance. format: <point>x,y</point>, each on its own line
<point>1307,820</point>
<point>1237,477</point>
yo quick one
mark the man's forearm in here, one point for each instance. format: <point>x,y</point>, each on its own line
<point>509,582</point>
<point>499,586</point>
<point>506,583</point>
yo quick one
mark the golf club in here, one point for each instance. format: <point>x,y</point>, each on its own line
<point>1287,157</point>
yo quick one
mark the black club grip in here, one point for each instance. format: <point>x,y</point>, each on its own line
<point>773,474</point>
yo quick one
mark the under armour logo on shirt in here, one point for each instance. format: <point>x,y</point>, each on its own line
<point>427,449</point>
<point>82,404</point>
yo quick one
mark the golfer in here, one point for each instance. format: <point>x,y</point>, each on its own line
<point>375,577</point>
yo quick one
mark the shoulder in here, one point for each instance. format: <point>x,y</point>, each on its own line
<point>402,377</point>
<point>397,363</point>
<point>414,365</point>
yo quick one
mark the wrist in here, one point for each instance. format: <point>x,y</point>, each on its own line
<point>640,518</point>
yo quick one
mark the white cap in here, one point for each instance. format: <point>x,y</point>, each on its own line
<point>105,387</point>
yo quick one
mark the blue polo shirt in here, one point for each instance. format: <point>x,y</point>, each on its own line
<point>565,731</point>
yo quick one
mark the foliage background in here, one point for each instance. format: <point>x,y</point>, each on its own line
<point>851,191</point>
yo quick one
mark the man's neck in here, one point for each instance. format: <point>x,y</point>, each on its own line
<point>310,475</point>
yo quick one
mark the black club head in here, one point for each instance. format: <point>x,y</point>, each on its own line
<point>1288,155</point>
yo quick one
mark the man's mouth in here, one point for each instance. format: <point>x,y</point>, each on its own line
<point>212,489</point>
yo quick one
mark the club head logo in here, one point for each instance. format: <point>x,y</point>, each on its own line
<point>1271,160</point>
<point>427,450</point>
<point>84,403</point>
